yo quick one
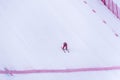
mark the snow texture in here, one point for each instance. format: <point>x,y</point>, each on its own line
<point>33,31</point>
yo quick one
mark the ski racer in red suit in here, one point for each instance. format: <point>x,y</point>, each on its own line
<point>65,47</point>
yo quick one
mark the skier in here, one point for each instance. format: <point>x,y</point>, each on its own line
<point>65,47</point>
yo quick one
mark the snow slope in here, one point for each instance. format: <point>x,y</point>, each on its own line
<point>32,33</point>
<point>117,2</point>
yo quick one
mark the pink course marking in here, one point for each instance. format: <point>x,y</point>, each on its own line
<point>93,10</point>
<point>8,71</point>
<point>58,70</point>
<point>116,35</point>
<point>85,2</point>
<point>104,22</point>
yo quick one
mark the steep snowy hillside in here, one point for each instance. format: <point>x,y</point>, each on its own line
<point>32,33</point>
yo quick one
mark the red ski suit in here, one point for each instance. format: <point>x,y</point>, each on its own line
<point>65,46</point>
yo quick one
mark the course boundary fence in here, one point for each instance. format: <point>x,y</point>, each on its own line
<point>113,7</point>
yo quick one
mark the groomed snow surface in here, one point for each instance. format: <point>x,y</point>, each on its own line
<point>117,2</point>
<point>32,33</point>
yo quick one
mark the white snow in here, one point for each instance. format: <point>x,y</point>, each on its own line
<point>117,2</point>
<point>32,33</point>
